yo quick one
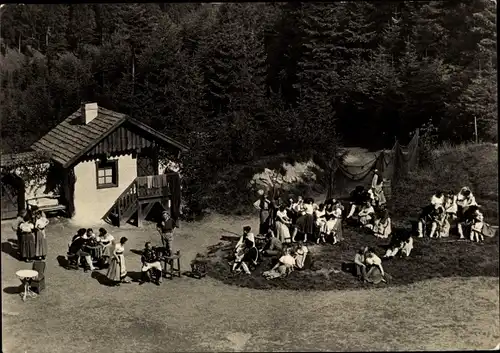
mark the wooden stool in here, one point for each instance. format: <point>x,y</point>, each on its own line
<point>172,266</point>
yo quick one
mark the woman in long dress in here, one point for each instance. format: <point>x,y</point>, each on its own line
<point>265,208</point>
<point>107,242</point>
<point>305,222</point>
<point>282,223</point>
<point>15,228</point>
<point>300,255</point>
<point>41,222</point>
<point>117,271</point>
<point>27,239</point>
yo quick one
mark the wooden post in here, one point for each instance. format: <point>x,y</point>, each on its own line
<point>139,214</point>
<point>119,214</point>
<point>475,128</point>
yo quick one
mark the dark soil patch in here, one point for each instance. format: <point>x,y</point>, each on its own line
<point>430,258</point>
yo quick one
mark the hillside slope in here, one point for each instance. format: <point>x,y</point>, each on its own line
<point>475,166</point>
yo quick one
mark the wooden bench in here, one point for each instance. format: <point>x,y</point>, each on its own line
<point>45,204</point>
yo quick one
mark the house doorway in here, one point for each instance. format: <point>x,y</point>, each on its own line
<point>147,163</point>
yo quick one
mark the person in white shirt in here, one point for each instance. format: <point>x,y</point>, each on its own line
<point>437,199</point>
<point>305,222</point>
<point>284,266</point>
<point>320,221</point>
<point>465,199</point>
<point>366,215</point>
<point>450,205</point>
<point>282,223</point>
<point>107,242</point>
<point>300,255</point>
<point>246,235</point>
<point>374,270</point>
<point>477,227</point>
<point>403,246</point>
<point>382,228</point>
<point>41,221</point>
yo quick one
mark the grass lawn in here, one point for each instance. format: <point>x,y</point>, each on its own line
<point>79,314</point>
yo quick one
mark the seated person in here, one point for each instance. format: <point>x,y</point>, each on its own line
<point>465,199</point>
<point>476,233</point>
<point>440,225</point>
<point>246,235</point>
<point>366,214</point>
<point>359,263</point>
<point>249,257</point>
<point>426,216</point>
<point>402,245</point>
<point>301,252</point>
<point>80,233</point>
<point>150,261</point>
<point>450,205</point>
<point>284,266</point>
<point>437,199</point>
<point>382,228</point>
<point>106,240</point>
<point>76,248</point>
<point>273,246</point>
<point>90,233</point>
<point>357,199</point>
<point>373,267</point>
<point>466,220</point>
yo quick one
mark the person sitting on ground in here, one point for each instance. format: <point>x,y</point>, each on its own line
<point>437,199</point>
<point>273,246</point>
<point>240,245</point>
<point>366,214</point>
<point>301,252</point>
<point>90,233</point>
<point>150,261</point>
<point>465,199</point>
<point>249,258</point>
<point>106,240</point>
<point>402,245</point>
<point>91,238</point>
<point>374,270</point>
<point>359,263</point>
<point>77,248</point>
<point>439,226</point>
<point>426,217</point>
<point>465,221</point>
<point>357,200</point>
<point>382,228</point>
<point>283,267</point>
<point>450,205</point>
<point>477,227</point>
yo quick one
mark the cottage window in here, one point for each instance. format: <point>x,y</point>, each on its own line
<point>107,174</point>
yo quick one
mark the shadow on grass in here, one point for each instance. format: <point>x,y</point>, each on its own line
<point>102,279</point>
<point>13,290</point>
<point>10,249</point>
<point>430,258</point>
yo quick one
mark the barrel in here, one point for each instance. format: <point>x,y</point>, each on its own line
<point>386,187</point>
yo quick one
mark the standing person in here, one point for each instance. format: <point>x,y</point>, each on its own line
<point>77,247</point>
<point>166,228</point>
<point>41,222</point>
<point>306,221</point>
<point>282,223</point>
<point>15,228</point>
<point>117,271</point>
<point>27,238</point>
<point>265,208</point>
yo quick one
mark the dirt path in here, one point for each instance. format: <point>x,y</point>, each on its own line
<point>204,315</point>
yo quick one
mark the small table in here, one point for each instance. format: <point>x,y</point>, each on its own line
<point>169,268</point>
<point>26,276</point>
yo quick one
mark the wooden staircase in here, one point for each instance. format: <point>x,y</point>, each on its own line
<point>139,198</point>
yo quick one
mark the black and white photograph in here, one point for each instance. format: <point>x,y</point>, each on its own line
<point>249,176</point>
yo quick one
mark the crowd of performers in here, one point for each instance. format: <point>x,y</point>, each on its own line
<point>286,228</point>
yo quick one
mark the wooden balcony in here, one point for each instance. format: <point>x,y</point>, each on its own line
<point>143,191</point>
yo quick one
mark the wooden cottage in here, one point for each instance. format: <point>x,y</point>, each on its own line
<point>108,166</point>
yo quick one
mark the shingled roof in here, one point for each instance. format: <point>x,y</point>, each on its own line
<point>71,139</point>
<point>14,160</point>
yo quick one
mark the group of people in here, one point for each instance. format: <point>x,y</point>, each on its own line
<point>31,237</point>
<point>446,211</point>
<point>247,254</point>
<point>106,253</point>
<point>301,219</point>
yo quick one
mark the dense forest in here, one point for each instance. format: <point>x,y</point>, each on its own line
<point>241,81</point>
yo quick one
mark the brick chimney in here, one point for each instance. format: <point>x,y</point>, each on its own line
<point>89,112</point>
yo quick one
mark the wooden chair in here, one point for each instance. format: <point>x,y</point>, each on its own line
<point>72,260</point>
<point>38,284</point>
